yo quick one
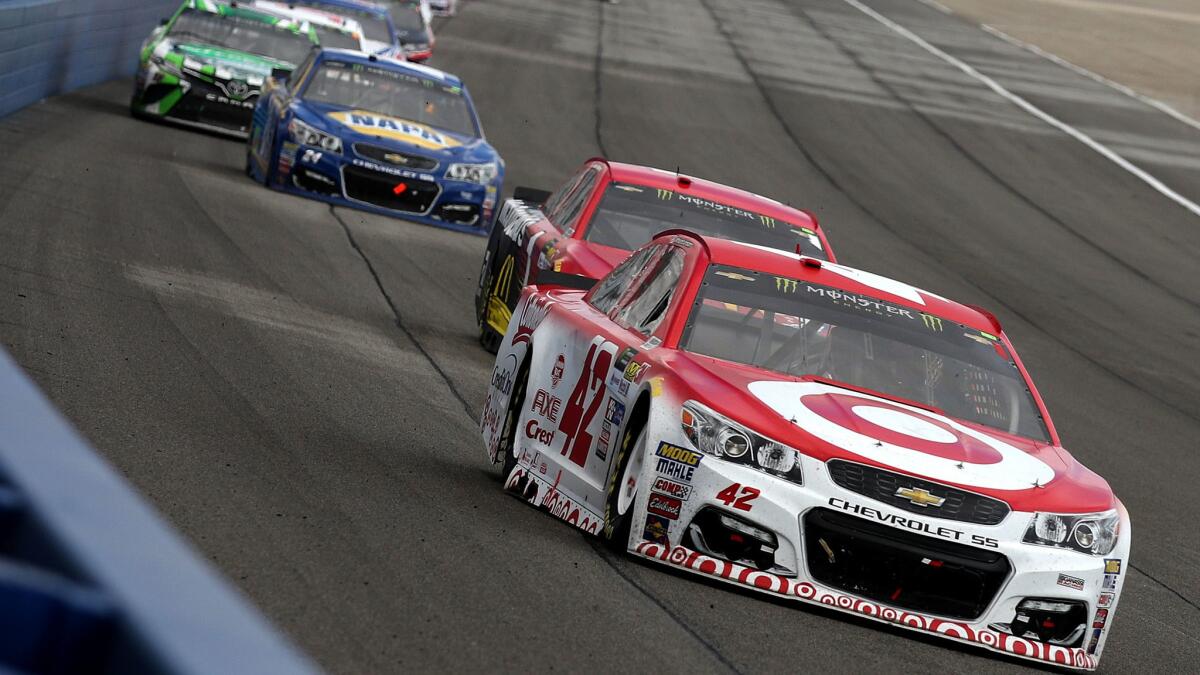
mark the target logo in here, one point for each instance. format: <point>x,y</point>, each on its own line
<point>904,437</point>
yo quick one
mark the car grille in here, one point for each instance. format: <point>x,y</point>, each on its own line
<point>380,189</point>
<point>395,158</point>
<point>195,107</point>
<point>900,568</point>
<point>881,485</point>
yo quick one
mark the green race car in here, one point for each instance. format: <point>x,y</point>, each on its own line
<point>204,67</point>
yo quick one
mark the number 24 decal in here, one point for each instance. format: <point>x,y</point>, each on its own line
<point>739,496</point>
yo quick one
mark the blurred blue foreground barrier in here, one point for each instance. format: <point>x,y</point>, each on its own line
<point>48,47</point>
<point>92,580</point>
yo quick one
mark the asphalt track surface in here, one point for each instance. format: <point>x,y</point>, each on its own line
<point>296,387</point>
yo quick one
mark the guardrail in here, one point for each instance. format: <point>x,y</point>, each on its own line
<point>92,580</point>
<point>48,47</point>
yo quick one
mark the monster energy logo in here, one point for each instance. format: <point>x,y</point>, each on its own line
<point>664,195</point>
<point>767,220</point>
<point>932,322</point>
<point>785,285</point>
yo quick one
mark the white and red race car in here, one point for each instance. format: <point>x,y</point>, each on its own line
<point>814,432</point>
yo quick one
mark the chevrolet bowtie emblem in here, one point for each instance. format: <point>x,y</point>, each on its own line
<point>395,158</point>
<point>920,497</point>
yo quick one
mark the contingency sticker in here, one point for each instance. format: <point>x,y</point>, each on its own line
<point>656,530</point>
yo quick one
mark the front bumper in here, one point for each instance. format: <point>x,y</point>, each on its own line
<point>193,102</point>
<point>353,179</point>
<point>822,544</point>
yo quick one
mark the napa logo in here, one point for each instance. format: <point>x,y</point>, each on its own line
<point>372,124</point>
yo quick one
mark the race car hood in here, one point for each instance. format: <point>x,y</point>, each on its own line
<point>355,124</point>
<point>226,64</point>
<point>827,421</point>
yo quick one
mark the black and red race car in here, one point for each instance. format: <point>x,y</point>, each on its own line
<point>581,231</point>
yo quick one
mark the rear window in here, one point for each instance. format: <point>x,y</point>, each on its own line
<point>630,215</point>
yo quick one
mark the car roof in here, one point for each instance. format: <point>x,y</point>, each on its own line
<point>354,4</point>
<point>731,196</point>
<point>231,8</point>
<point>784,264</point>
<point>351,56</point>
<point>312,15</point>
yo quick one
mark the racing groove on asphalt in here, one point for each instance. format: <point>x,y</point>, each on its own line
<point>295,386</point>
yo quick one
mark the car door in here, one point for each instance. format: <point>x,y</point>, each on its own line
<point>553,235</point>
<point>567,413</point>
<point>623,317</point>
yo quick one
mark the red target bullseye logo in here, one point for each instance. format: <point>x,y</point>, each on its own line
<point>899,426</point>
<point>904,437</point>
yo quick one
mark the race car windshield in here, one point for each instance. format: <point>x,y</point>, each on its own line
<point>336,39</point>
<point>241,34</point>
<point>630,215</point>
<point>799,328</point>
<point>374,26</point>
<point>393,93</point>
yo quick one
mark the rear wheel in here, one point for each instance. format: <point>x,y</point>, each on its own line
<point>516,403</point>
<point>489,337</point>
<point>623,486</point>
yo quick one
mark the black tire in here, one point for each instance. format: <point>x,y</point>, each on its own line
<point>135,112</point>
<point>516,403</point>
<point>489,338</point>
<point>615,532</point>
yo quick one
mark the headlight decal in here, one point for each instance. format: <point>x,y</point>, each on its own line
<point>714,434</point>
<point>1091,533</point>
<point>306,134</point>
<point>481,174</point>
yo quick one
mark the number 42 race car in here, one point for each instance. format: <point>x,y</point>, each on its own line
<point>814,432</point>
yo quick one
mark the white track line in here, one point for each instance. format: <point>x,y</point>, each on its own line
<point>1030,108</point>
<point>1152,102</point>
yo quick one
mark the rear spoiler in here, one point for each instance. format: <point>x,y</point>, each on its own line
<point>531,195</point>
<point>564,280</point>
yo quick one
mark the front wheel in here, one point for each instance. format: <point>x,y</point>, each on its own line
<point>623,487</point>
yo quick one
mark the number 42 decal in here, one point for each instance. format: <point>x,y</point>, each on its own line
<point>585,400</point>
<point>739,496</point>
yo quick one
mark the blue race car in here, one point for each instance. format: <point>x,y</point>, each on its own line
<point>377,134</point>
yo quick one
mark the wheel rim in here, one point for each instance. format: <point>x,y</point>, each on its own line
<point>627,490</point>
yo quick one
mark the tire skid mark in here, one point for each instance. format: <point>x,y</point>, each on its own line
<point>899,232</point>
<point>977,162</point>
<point>387,297</point>
<point>599,79</point>
<point>596,546</point>
<point>609,560</point>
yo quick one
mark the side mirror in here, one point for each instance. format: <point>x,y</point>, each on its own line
<point>531,195</point>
